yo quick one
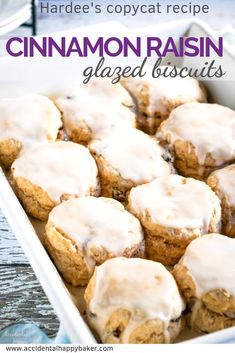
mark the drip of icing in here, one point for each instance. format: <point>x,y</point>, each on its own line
<point>29,119</point>
<point>133,154</point>
<point>91,104</point>
<point>97,222</point>
<point>58,168</point>
<point>209,127</point>
<point>210,261</point>
<point>165,93</point>
<point>175,201</point>
<point>226,181</point>
<point>143,287</point>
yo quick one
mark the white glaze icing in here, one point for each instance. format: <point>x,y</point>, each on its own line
<point>133,154</point>
<point>97,223</point>
<point>29,119</point>
<point>209,127</point>
<point>175,201</point>
<point>143,287</point>
<point>58,168</point>
<point>226,181</point>
<point>165,93</point>
<point>99,104</point>
<point>210,261</point>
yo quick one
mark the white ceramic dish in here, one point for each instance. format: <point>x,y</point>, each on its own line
<point>13,13</point>
<point>65,298</point>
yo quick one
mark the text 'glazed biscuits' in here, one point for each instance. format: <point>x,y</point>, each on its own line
<point>134,301</point>
<point>24,122</point>
<point>201,136</point>
<point>157,97</point>
<point>222,181</point>
<point>48,174</point>
<point>88,110</point>
<point>82,233</point>
<point>126,158</point>
<point>173,211</point>
<point>205,276</point>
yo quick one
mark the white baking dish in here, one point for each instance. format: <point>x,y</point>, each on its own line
<point>13,13</point>
<point>64,298</point>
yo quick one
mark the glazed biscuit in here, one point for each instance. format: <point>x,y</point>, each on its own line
<point>157,97</point>
<point>47,174</point>
<point>201,138</point>
<point>205,276</point>
<point>85,232</point>
<point>127,158</point>
<point>173,211</point>
<point>25,122</point>
<point>222,182</point>
<point>89,110</point>
<point>134,301</point>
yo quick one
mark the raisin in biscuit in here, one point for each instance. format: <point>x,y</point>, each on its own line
<point>201,137</point>
<point>47,174</point>
<point>90,109</point>
<point>222,181</point>
<point>24,122</point>
<point>173,211</point>
<point>134,301</point>
<point>157,97</point>
<point>82,233</point>
<point>127,158</point>
<point>205,276</point>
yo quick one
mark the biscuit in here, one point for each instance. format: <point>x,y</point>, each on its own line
<point>222,182</point>
<point>134,301</point>
<point>200,137</point>
<point>85,232</point>
<point>173,211</point>
<point>205,276</point>
<point>89,110</point>
<point>47,174</point>
<point>24,122</point>
<point>126,158</point>
<point>157,97</point>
